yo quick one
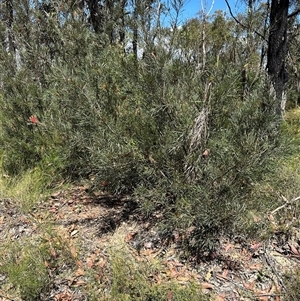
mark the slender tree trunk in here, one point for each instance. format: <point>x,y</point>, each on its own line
<point>9,19</point>
<point>244,72</point>
<point>122,29</point>
<point>9,41</point>
<point>277,51</point>
<point>135,31</point>
<point>96,15</point>
<point>111,19</point>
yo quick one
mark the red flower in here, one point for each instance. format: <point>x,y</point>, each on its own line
<point>33,119</point>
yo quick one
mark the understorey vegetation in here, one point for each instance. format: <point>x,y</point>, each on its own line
<point>177,115</point>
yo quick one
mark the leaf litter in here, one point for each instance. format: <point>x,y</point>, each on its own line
<point>240,269</point>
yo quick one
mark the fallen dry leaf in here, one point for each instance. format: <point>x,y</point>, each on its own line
<point>98,276</point>
<point>195,275</point>
<point>130,236</point>
<point>102,262</point>
<point>170,296</point>
<point>183,278</point>
<point>294,250</point>
<point>249,286</point>
<point>255,266</point>
<point>79,263</point>
<point>79,272</point>
<point>148,245</point>
<point>73,252</point>
<point>182,270</point>
<point>53,210</point>
<point>172,273</point>
<point>220,298</point>
<point>206,285</point>
<point>255,246</point>
<point>228,247</point>
<point>225,273</point>
<point>70,280</point>
<point>49,265</point>
<point>53,252</point>
<point>176,237</point>
<point>221,277</point>
<point>64,296</point>
<point>61,215</point>
<point>55,194</point>
<point>158,279</point>
<point>274,290</point>
<point>244,252</point>
<point>90,261</point>
<point>147,252</point>
<point>71,228</point>
<point>176,263</point>
<point>79,283</point>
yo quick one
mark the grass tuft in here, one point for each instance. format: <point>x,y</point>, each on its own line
<point>27,189</point>
<point>292,283</point>
<point>135,278</point>
<point>25,268</point>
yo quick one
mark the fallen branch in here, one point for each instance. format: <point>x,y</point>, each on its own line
<point>271,265</point>
<point>268,295</point>
<point>287,202</point>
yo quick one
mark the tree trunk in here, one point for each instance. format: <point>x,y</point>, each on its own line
<point>122,28</point>
<point>277,51</point>
<point>135,31</point>
<point>96,15</point>
<point>8,20</point>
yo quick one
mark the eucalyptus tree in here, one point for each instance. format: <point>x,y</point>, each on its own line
<point>279,12</point>
<point>293,63</point>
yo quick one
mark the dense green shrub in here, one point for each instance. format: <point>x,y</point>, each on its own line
<point>131,123</point>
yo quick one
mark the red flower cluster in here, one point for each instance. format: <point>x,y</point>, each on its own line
<point>33,119</point>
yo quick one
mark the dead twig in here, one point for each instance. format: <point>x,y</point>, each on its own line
<point>287,202</point>
<point>271,265</point>
<point>268,295</point>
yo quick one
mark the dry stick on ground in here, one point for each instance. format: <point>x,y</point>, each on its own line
<point>268,261</point>
<point>268,295</point>
<point>287,202</point>
<point>271,265</point>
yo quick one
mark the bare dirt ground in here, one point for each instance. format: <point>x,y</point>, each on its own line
<point>238,270</point>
